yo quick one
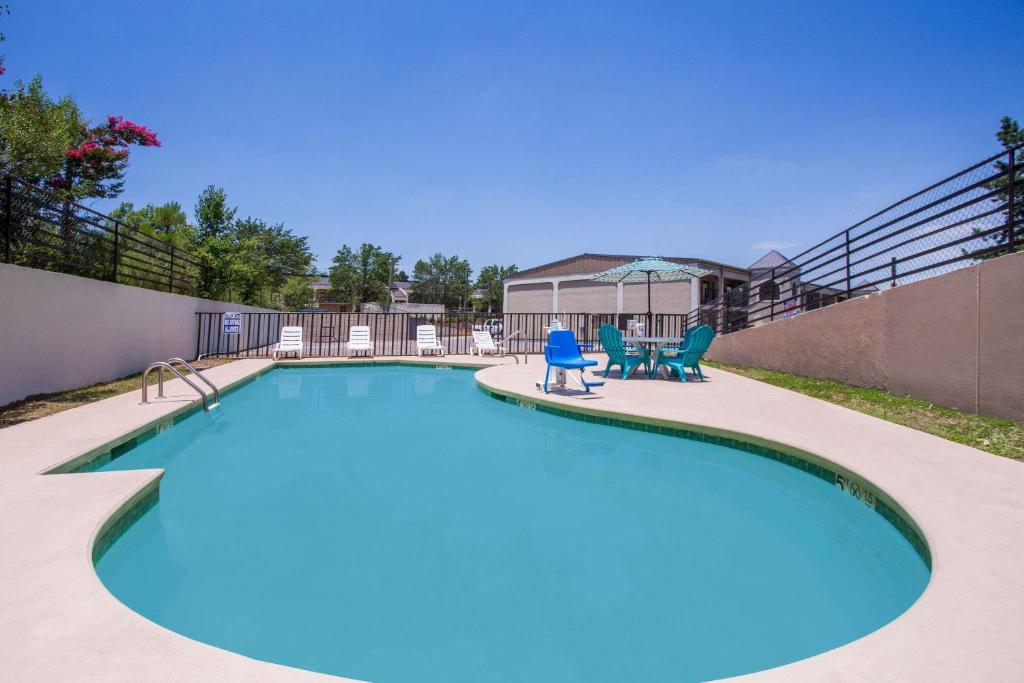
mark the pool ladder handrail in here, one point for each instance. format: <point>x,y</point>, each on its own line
<point>195,371</point>
<point>169,364</point>
<point>506,352</point>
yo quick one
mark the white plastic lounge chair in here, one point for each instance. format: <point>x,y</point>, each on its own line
<point>426,340</point>
<point>483,343</point>
<point>291,341</point>
<point>359,339</point>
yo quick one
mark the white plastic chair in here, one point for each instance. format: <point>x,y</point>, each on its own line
<point>359,339</point>
<point>426,340</point>
<point>291,341</point>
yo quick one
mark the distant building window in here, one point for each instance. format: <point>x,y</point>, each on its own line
<point>768,290</point>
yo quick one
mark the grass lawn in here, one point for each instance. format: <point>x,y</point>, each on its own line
<point>1001,437</point>
<point>47,404</point>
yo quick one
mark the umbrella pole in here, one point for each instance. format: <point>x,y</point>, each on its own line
<point>649,316</point>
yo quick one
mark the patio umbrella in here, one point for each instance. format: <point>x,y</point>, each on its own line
<point>650,269</point>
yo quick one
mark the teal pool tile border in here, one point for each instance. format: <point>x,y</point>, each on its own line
<point>862,490</point>
<point>120,521</point>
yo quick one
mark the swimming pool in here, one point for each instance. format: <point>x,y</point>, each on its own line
<point>398,524</point>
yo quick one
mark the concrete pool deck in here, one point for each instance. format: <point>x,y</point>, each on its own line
<point>57,621</point>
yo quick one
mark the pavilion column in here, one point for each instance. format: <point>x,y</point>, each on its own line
<point>554,296</point>
<point>694,293</point>
<point>619,289</point>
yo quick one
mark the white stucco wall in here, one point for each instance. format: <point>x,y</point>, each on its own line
<point>61,331</point>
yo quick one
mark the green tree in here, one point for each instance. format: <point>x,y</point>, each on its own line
<point>442,280</point>
<point>263,258</point>
<point>362,276</point>
<point>35,131</point>
<point>213,217</point>
<point>166,222</point>
<point>296,293</point>
<point>215,243</point>
<point>1011,135</point>
<point>491,282</point>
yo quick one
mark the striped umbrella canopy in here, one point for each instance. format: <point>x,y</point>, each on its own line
<point>650,269</point>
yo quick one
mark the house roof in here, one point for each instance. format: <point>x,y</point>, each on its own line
<point>595,263</point>
<point>773,259</point>
<point>863,286</point>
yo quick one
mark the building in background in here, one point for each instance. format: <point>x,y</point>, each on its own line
<point>400,293</point>
<point>566,286</point>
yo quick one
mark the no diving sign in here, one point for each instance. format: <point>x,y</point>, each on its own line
<point>232,323</point>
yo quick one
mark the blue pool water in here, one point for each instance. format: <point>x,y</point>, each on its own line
<point>398,524</point>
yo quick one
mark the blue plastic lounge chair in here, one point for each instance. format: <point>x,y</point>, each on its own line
<point>688,355</point>
<point>626,358</point>
<point>562,351</point>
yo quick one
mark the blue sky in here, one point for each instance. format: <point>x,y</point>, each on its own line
<point>526,132</point>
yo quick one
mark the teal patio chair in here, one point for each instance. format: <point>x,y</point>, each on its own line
<point>627,359</point>
<point>688,355</point>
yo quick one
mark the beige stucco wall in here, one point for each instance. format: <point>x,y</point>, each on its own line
<point>587,296</point>
<point>61,331</point>
<point>956,340</point>
<point>666,297</point>
<point>529,298</point>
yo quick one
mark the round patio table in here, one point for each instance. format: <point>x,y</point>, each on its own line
<point>655,344</point>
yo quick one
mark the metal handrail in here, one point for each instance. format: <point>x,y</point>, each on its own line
<point>194,371</point>
<point>160,393</point>
<point>506,351</point>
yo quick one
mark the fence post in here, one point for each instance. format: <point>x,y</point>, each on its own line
<point>771,293</point>
<point>1011,229</point>
<point>170,278</point>
<point>7,219</point>
<point>117,240</point>
<point>892,268</point>
<point>848,290</point>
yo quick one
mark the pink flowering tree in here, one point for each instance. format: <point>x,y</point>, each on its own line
<point>95,163</point>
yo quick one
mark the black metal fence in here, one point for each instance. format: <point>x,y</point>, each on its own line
<point>41,229</point>
<point>394,334</point>
<point>975,214</point>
